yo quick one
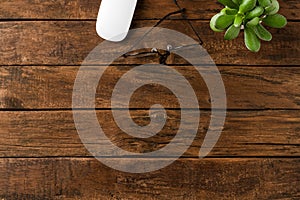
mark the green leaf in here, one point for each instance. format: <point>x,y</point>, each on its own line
<point>229,3</point>
<point>275,21</point>
<point>254,21</point>
<point>238,20</point>
<point>251,40</point>
<point>213,23</point>
<point>232,32</point>
<point>262,33</point>
<point>229,11</point>
<point>237,2</point>
<point>224,21</point>
<point>273,8</point>
<point>264,3</point>
<point>256,12</point>
<point>247,5</point>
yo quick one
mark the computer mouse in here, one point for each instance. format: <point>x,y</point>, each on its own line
<point>114,19</point>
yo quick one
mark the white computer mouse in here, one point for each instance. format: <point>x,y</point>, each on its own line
<point>114,19</point>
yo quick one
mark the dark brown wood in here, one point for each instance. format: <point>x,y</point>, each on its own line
<point>246,133</point>
<point>42,45</point>
<point>68,43</point>
<point>147,9</point>
<point>50,87</point>
<point>81,178</point>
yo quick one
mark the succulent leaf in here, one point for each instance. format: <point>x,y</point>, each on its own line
<point>275,21</point>
<point>213,23</point>
<point>232,32</point>
<point>229,3</point>
<point>251,40</point>
<point>273,8</point>
<point>224,21</point>
<point>264,3</point>
<point>256,12</point>
<point>238,20</point>
<point>262,33</point>
<point>229,11</point>
<point>254,21</point>
<point>247,5</point>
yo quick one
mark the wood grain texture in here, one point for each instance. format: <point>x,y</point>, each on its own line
<point>246,133</point>
<point>42,45</point>
<point>51,87</point>
<point>68,43</point>
<point>74,178</point>
<point>146,9</point>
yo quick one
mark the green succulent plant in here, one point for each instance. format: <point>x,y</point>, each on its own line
<point>250,15</point>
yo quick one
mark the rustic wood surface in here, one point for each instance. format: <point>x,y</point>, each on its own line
<point>246,133</point>
<point>70,178</point>
<point>42,45</point>
<point>51,87</point>
<point>65,39</point>
<point>146,9</point>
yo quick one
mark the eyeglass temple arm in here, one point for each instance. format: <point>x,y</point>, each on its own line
<point>184,16</point>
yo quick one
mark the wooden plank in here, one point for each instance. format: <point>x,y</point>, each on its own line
<point>68,43</point>
<point>51,87</point>
<point>88,9</point>
<point>246,133</point>
<point>80,178</point>
<point>35,135</point>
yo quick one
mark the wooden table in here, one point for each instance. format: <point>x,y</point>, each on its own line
<point>42,45</point>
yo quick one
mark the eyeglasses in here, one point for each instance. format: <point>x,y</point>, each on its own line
<point>164,54</point>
